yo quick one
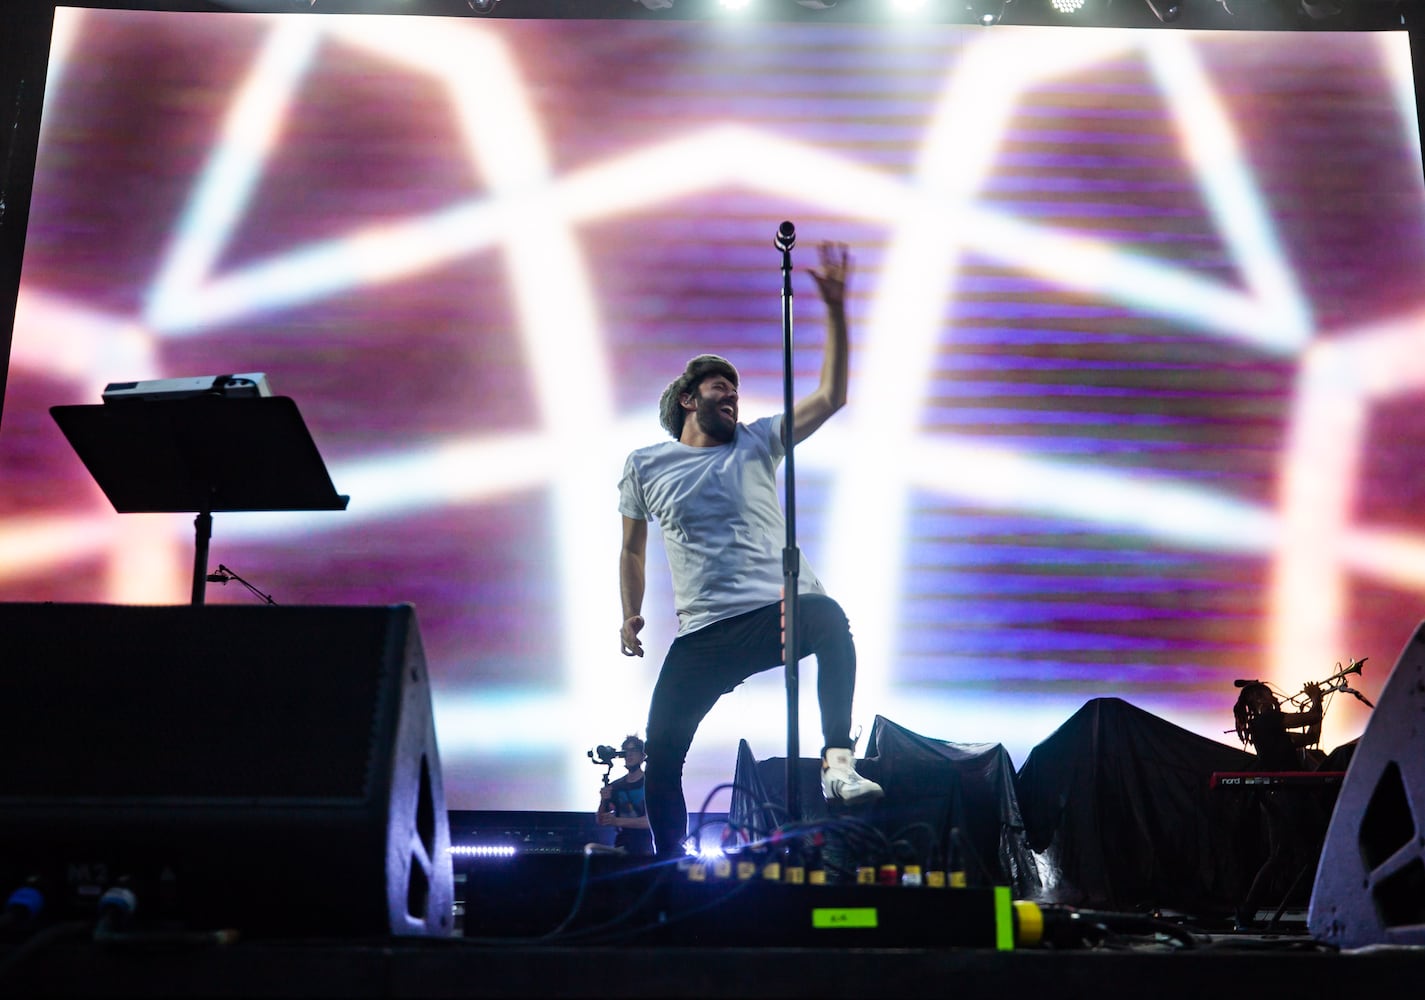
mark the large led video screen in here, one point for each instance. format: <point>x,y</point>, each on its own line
<point>1137,364</point>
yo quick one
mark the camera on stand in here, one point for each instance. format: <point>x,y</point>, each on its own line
<point>604,756</point>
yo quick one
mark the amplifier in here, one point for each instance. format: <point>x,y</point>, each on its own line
<point>636,900</point>
<point>759,913</point>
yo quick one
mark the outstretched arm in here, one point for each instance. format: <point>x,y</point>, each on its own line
<point>630,584</point>
<point>830,394</point>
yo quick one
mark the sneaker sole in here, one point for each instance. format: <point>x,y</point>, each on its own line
<point>866,796</point>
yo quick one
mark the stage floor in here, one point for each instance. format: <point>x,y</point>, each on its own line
<point>601,925</point>
<point>1219,967</point>
<point>647,936</point>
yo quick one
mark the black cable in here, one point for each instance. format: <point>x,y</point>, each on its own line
<point>637,905</point>
<point>869,840</point>
<point>1074,927</point>
<point>866,837</point>
<point>560,933</point>
<point>770,807</point>
<point>1237,942</point>
<point>585,876</point>
<point>961,843</point>
<point>737,889</point>
<point>578,904</point>
<point>900,837</point>
<point>39,941</point>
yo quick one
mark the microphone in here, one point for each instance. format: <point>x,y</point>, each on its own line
<point>223,575</point>
<point>786,237</point>
<point>1242,682</point>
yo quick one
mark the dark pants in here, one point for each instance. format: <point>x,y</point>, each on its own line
<point>704,665</point>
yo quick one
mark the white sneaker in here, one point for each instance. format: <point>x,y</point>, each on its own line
<point>841,783</point>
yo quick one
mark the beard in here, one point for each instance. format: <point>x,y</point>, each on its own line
<point>715,424</point>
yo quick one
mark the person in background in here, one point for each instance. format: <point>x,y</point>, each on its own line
<point>621,803</point>
<point>1263,725</point>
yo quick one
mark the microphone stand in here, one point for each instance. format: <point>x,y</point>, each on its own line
<point>223,575</point>
<point>791,557</point>
<point>1358,696</point>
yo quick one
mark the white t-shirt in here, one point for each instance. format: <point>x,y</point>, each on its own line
<point>721,521</point>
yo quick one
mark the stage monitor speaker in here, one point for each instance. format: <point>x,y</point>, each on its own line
<point>268,769</point>
<point>1370,884</point>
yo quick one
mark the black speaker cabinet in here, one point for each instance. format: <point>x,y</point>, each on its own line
<point>268,769</point>
<point>1370,885</point>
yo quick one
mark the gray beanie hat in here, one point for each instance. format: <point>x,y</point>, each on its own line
<point>670,413</point>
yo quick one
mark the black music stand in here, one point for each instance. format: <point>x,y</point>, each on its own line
<point>204,454</point>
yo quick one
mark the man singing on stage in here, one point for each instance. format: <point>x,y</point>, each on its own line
<point>713,492</point>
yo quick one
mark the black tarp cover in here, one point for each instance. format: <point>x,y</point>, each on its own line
<point>932,788</point>
<point>969,787</point>
<point>752,808</point>
<point>1118,803</point>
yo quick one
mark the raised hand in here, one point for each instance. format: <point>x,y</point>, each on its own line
<point>833,273</point>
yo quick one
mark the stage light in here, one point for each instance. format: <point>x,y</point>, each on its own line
<point>1067,6</point>
<point>986,12</point>
<point>656,4</point>
<point>482,851</point>
<point>990,17</point>
<point>1165,10</point>
<point>482,6</point>
<point>907,6</point>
